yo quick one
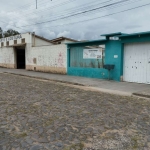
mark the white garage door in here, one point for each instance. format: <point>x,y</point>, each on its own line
<point>137,63</point>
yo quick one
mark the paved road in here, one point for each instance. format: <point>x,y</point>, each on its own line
<point>42,115</point>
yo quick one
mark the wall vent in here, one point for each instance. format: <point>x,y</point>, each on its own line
<point>23,41</point>
<point>34,60</point>
<point>7,43</point>
<point>15,41</point>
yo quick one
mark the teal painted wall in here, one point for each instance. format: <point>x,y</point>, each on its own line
<point>135,39</point>
<point>112,48</point>
<point>88,72</point>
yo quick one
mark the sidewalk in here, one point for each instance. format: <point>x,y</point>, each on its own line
<point>121,88</point>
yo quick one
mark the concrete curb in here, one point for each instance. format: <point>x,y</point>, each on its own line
<point>45,78</point>
<point>141,95</point>
<point>78,85</point>
<point>112,91</point>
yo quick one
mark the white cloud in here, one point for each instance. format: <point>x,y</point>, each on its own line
<point>24,13</point>
<point>64,33</point>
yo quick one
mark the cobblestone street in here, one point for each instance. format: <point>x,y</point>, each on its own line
<point>44,115</point>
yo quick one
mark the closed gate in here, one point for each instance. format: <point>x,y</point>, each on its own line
<point>137,63</point>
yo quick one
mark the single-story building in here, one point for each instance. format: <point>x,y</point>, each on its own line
<point>32,52</point>
<point>129,54</point>
<point>119,56</point>
<point>63,40</point>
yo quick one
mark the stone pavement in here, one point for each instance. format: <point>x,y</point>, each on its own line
<point>120,88</point>
<point>46,115</point>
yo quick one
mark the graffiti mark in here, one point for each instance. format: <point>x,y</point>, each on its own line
<point>60,60</point>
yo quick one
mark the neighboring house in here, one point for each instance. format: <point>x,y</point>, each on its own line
<point>63,40</point>
<point>32,52</point>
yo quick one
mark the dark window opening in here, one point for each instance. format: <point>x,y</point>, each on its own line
<point>15,41</point>
<point>23,41</point>
<point>7,43</point>
<point>2,44</point>
<point>20,57</point>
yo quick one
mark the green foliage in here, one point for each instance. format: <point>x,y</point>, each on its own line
<point>8,33</point>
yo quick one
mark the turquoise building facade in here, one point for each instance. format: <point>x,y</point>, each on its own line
<point>114,55</point>
<point>77,66</point>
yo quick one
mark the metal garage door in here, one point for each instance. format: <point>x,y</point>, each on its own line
<point>137,63</point>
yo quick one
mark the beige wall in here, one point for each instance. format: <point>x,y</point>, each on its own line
<point>39,42</point>
<point>47,59</point>
<point>7,57</point>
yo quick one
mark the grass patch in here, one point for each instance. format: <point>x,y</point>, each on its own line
<point>79,146</point>
<point>21,135</point>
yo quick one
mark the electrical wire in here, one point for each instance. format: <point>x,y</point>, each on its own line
<point>86,20</point>
<point>20,18</point>
<point>76,13</point>
<point>89,13</point>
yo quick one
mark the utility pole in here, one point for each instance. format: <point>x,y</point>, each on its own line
<point>36,4</point>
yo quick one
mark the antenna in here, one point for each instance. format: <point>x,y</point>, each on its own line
<point>36,4</point>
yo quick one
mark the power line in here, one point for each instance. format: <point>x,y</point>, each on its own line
<point>106,5</point>
<point>44,9</point>
<point>96,17</point>
<point>79,8</point>
<point>110,7</point>
<point>102,16</point>
<point>23,6</point>
<point>77,13</point>
<point>51,7</point>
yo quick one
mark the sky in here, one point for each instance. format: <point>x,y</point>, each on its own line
<point>76,19</point>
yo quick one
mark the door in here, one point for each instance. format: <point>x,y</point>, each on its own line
<point>136,67</point>
<point>20,58</point>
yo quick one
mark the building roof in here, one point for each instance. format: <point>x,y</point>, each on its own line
<point>135,34</point>
<point>42,38</point>
<point>62,38</point>
<point>113,34</point>
<point>88,42</point>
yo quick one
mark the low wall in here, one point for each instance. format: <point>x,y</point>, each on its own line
<point>88,72</point>
<point>51,59</point>
<point>7,57</point>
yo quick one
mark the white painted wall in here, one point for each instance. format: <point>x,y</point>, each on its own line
<point>26,36</point>
<point>51,57</point>
<point>40,42</point>
<point>66,41</point>
<point>7,57</point>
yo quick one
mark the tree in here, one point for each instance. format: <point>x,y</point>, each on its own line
<point>8,33</point>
